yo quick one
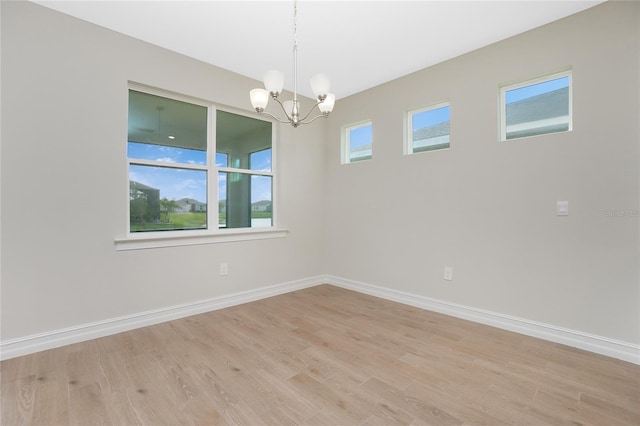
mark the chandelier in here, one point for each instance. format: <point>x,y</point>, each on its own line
<point>274,82</point>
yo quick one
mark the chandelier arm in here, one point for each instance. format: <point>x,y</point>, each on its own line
<point>275,118</point>
<point>324,115</point>
<point>309,113</point>
<point>283,110</point>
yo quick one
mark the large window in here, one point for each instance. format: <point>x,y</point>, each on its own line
<point>428,128</point>
<point>174,182</point>
<point>357,142</point>
<point>536,107</point>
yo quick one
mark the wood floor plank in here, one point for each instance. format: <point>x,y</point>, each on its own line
<point>318,356</point>
<point>86,406</point>
<point>18,409</point>
<point>51,403</point>
<point>120,408</point>
<point>286,397</point>
<point>325,398</point>
<point>449,401</point>
<point>416,407</point>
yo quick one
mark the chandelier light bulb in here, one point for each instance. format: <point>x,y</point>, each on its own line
<point>259,99</point>
<point>326,106</point>
<point>320,85</point>
<point>273,82</point>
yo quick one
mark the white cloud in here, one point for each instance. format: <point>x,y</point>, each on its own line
<point>166,160</point>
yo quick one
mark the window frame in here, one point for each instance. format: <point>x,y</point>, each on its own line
<point>345,142</point>
<point>213,233</point>
<point>504,88</point>
<point>408,139</point>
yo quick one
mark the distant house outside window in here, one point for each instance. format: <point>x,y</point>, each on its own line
<point>536,107</point>
<point>357,142</point>
<point>428,128</point>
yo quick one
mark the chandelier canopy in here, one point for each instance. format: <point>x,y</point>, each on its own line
<point>274,82</point>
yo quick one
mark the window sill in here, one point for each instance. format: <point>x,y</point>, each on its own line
<point>186,238</point>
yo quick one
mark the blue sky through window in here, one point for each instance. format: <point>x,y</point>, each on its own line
<point>261,187</point>
<point>430,117</point>
<point>176,183</point>
<point>360,136</point>
<point>173,183</point>
<point>261,160</point>
<point>168,154</point>
<point>515,95</point>
<point>222,159</point>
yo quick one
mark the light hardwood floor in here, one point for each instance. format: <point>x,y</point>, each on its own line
<point>319,356</point>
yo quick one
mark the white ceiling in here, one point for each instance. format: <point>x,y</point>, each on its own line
<point>359,44</point>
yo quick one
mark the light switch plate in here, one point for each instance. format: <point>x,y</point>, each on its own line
<point>562,208</point>
<point>448,273</point>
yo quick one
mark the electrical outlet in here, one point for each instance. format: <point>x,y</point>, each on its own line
<point>448,273</point>
<point>224,268</point>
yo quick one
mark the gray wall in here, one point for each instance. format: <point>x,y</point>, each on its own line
<point>64,181</point>
<point>487,208</point>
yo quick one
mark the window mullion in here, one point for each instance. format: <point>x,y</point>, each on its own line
<point>245,171</point>
<point>141,162</point>
<point>212,172</point>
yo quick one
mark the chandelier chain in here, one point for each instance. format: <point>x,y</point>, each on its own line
<point>294,113</point>
<point>295,24</point>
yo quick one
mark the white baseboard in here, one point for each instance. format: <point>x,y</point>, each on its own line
<point>56,338</point>
<point>598,344</point>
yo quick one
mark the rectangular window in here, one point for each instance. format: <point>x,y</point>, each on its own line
<point>428,128</point>
<point>245,184</point>
<point>357,142</point>
<point>172,177</point>
<point>536,107</point>
<point>168,171</point>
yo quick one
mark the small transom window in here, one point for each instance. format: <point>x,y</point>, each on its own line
<point>357,142</point>
<point>536,107</point>
<point>428,128</point>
